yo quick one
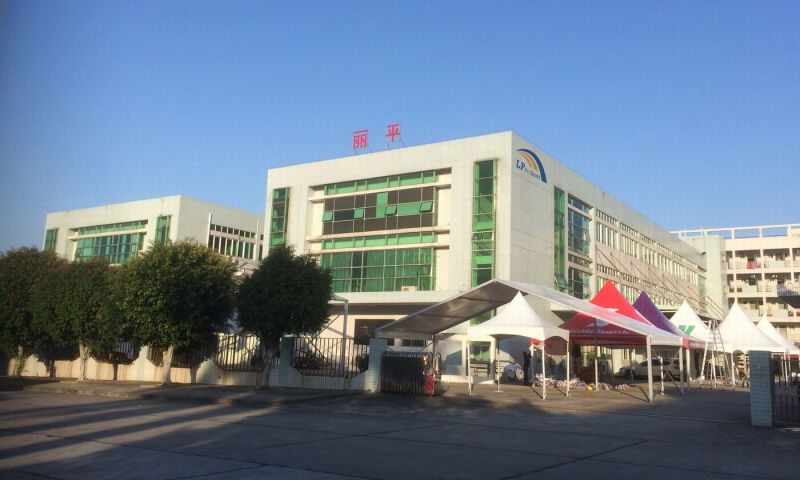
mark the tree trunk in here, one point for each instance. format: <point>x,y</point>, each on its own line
<point>84,357</point>
<point>167,364</point>
<point>268,354</point>
<point>20,361</point>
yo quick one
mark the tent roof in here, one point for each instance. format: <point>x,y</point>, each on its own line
<point>518,318</point>
<point>687,321</point>
<point>644,305</point>
<point>494,293</point>
<point>740,333</point>
<point>593,328</point>
<point>769,330</point>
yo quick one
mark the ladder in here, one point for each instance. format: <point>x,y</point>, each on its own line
<point>714,344</point>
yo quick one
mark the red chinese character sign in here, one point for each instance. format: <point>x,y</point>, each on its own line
<point>360,140</point>
<point>392,132</point>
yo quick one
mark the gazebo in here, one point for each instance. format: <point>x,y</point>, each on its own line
<point>519,319</point>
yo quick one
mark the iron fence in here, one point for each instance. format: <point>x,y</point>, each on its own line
<point>407,372</point>
<point>240,353</point>
<point>329,357</point>
<point>786,393</point>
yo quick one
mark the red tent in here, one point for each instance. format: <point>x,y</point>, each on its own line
<point>586,330</point>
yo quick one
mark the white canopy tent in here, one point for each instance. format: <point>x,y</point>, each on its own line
<point>740,333</point>
<point>689,323</point>
<point>429,321</point>
<point>769,330</point>
<point>790,348</point>
<point>519,319</point>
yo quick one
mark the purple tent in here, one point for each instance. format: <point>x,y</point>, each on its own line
<point>648,309</point>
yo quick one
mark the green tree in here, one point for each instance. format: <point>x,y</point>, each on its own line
<point>287,295</point>
<point>176,296</point>
<point>74,307</point>
<point>20,271</point>
<point>53,335</point>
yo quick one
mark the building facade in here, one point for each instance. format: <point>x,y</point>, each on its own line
<point>118,232</point>
<point>761,271</point>
<point>403,228</point>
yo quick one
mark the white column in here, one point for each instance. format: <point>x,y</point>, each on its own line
<point>649,369</point>
<point>680,364</point>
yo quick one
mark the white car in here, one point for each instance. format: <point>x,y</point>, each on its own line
<point>640,369</point>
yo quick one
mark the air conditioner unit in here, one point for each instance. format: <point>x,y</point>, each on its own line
<point>408,289</point>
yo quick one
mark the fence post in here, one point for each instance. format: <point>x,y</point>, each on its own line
<point>761,388</point>
<point>372,381</point>
<point>285,360</point>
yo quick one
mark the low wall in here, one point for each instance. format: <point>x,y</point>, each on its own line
<point>208,372</point>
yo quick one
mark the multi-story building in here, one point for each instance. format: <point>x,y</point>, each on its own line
<point>407,227</point>
<point>120,231</point>
<point>762,271</point>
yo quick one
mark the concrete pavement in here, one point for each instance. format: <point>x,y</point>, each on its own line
<point>487,435</point>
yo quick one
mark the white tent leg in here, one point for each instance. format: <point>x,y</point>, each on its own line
<point>469,368</point>
<point>689,365</point>
<point>595,366</point>
<point>733,369</point>
<point>649,369</point>
<point>569,360</point>
<point>544,374</point>
<point>680,364</point>
<point>661,369</point>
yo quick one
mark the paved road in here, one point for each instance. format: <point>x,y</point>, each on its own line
<point>511,435</point>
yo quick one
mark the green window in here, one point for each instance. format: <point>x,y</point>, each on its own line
<point>279,213</point>
<point>579,283</point>
<point>162,228</point>
<point>559,234</point>
<point>379,240</point>
<point>483,221</point>
<point>50,238</point>
<point>112,227</point>
<point>381,270</point>
<point>114,248</point>
<point>388,210</point>
<point>484,189</point>
<point>391,181</point>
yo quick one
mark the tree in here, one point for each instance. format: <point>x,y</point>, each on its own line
<point>53,335</point>
<point>74,307</point>
<point>176,296</point>
<point>20,271</point>
<point>287,294</point>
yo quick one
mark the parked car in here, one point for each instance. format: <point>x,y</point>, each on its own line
<point>640,369</point>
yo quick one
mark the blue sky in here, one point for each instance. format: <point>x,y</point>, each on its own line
<point>687,111</point>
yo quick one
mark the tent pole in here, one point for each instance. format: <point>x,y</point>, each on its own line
<point>544,373</point>
<point>649,369</point>
<point>680,363</point>
<point>469,368</point>
<point>689,366</point>
<point>661,369</point>
<point>733,377</point>
<point>569,360</point>
<point>596,354</point>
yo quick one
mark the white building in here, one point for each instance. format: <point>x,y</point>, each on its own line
<point>761,271</point>
<point>120,231</point>
<point>404,228</point>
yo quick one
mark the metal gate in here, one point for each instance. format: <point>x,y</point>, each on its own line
<point>409,373</point>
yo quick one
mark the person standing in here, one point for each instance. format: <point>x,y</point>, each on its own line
<point>526,366</point>
<point>576,359</point>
